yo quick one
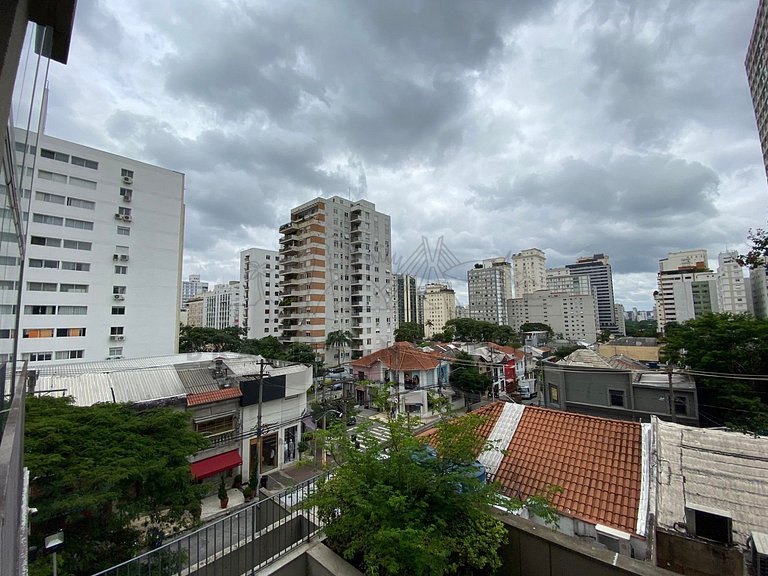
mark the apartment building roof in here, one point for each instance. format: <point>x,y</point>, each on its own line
<point>213,396</point>
<point>585,357</point>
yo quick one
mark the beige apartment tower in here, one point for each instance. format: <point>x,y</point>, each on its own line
<point>529,267</point>
<point>439,307</point>
<point>336,275</point>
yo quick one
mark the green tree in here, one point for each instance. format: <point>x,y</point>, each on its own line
<point>470,330</point>
<point>564,351</point>
<point>536,327</point>
<point>197,339</point>
<point>404,509</point>
<point>466,377</point>
<point>758,252</point>
<point>96,469</point>
<point>339,339</point>
<point>300,352</point>
<point>641,328</point>
<point>409,332</point>
<point>506,336</point>
<point>732,345</point>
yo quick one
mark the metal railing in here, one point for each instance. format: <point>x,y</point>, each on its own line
<point>243,542</point>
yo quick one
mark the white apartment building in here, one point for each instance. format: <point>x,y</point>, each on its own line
<point>571,316</point>
<point>561,280</point>
<point>439,307</point>
<point>407,300</point>
<point>191,288</point>
<point>529,267</point>
<point>731,286</point>
<point>490,287</point>
<point>103,260</point>
<point>259,282</point>
<point>687,289</point>
<point>758,279</point>
<point>221,306</point>
<point>336,260</point>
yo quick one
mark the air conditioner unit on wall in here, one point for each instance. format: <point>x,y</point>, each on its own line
<point>118,216</point>
<point>127,180</point>
<point>115,256</point>
<point>119,297</point>
<point>124,257</point>
<point>126,217</point>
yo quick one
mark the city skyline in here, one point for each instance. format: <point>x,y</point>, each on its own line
<point>572,127</point>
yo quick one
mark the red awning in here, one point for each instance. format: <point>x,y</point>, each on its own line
<point>212,466</point>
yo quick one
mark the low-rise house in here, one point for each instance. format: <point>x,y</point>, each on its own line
<point>710,497</point>
<point>414,372</point>
<point>600,465</point>
<point>588,383</point>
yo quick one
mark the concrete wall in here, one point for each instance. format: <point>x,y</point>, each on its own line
<point>694,557</point>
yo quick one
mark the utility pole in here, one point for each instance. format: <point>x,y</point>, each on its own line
<point>671,393</point>
<point>258,418</point>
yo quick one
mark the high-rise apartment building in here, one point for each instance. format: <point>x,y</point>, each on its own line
<point>222,306</point>
<point>407,300</point>
<point>336,261</point>
<point>191,288</point>
<point>758,279</point>
<point>571,316</point>
<point>687,288</point>
<point>439,307</point>
<point>600,276</point>
<point>103,255</point>
<point>561,280</point>
<point>260,292</point>
<point>757,74</point>
<point>731,286</point>
<point>529,267</point>
<point>490,286</point>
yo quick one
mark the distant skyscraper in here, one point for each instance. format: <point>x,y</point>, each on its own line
<point>490,287</point>
<point>687,288</point>
<point>601,282</point>
<point>530,271</point>
<point>757,74</point>
<point>191,288</point>
<point>731,287</point>
<point>407,299</point>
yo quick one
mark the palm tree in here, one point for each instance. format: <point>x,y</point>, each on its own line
<point>339,339</point>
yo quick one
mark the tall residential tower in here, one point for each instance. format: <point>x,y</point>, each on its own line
<point>600,276</point>
<point>490,286</point>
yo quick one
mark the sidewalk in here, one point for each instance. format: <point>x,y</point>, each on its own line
<point>211,506</point>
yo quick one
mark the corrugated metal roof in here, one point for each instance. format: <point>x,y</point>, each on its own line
<point>700,467</point>
<point>585,357</point>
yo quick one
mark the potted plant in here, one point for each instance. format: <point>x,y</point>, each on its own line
<point>248,493</point>
<point>223,497</point>
<point>237,482</point>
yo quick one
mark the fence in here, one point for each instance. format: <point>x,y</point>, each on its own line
<point>242,542</point>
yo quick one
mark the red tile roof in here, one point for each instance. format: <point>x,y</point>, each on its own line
<point>596,461</point>
<point>213,396</point>
<point>400,356</point>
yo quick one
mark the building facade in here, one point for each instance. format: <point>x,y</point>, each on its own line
<point>561,280</point>
<point>490,287</point>
<point>757,73</point>
<point>191,288</point>
<point>222,306</point>
<point>407,300</point>
<point>103,255</point>
<point>260,292</point>
<point>336,260</point>
<point>758,280</point>
<point>439,307</point>
<point>687,288</point>
<point>731,286</point>
<point>571,316</point>
<point>529,267</point>
<point>598,269</point>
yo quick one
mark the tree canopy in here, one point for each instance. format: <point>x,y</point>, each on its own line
<point>466,377</point>
<point>196,339</point>
<point>758,252</point>
<point>536,327</point>
<point>731,345</point>
<point>405,509</point>
<point>96,469</point>
<point>471,330</point>
<point>409,332</point>
<point>641,328</point>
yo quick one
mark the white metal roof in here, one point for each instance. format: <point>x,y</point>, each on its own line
<point>705,468</point>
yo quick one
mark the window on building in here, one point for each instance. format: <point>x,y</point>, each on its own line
<point>47,219</point>
<point>77,266</point>
<point>82,183</point>
<point>41,286</point>
<point>118,289</point>
<point>53,155</point>
<point>216,426</point>
<point>80,203</point>
<point>6,333</point>
<point>125,172</point>
<point>69,354</point>
<point>39,263</point>
<point>116,330</point>
<point>616,397</point>
<point>37,356</point>
<point>79,224</point>
<point>681,406</point>
<point>80,288</point>
<point>123,231</point>
<point>121,269</point>
<point>38,310</point>
<point>52,198</point>
<point>77,245</point>
<point>85,163</point>
<point>69,332</point>
<point>118,310</point>
<point>45,241</point>
<point>37,333</point>
<point>73,310</point>
<point>554,394</point>
<point>123,211</point>
<point>116,351</point>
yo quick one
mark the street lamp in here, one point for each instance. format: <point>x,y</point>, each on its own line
<point>52,544</point>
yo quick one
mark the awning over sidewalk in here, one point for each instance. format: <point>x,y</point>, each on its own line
<point>212,466</point>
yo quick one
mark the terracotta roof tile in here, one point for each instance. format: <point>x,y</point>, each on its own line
<point>400,356</point>
<point>213,396</point>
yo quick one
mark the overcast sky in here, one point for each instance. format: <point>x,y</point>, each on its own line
<point>488,127</point>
